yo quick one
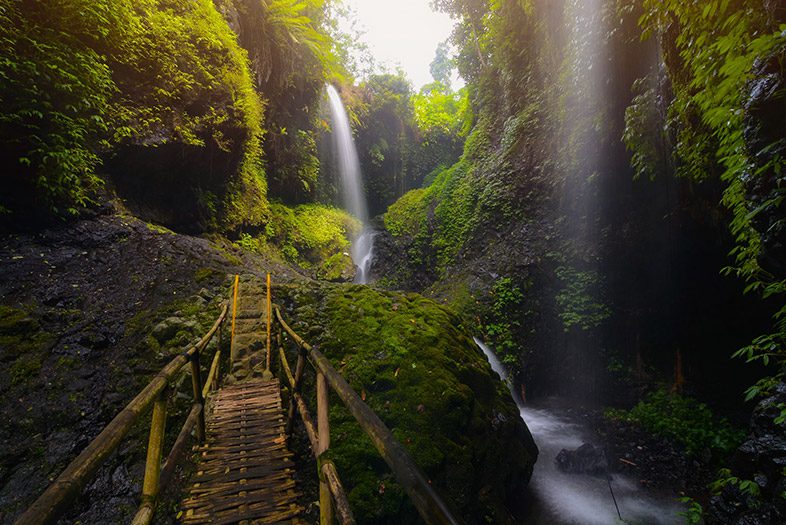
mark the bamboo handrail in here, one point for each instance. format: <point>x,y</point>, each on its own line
<point>55,500</point>
<point>268,322</point>
<point>323,444</point>
<point>430,506</point>
<point>328,469</point>
<point>155,450</point>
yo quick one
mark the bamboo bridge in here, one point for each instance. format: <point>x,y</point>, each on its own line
<point>245,469</point>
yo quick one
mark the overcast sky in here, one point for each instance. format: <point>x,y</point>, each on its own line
<point>403,33</point>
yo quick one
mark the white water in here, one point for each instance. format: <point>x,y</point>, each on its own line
<point>363,254</point>
<point>352,193</point>
<point>575,499</point>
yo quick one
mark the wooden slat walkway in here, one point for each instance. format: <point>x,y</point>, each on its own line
<point>245,471</point>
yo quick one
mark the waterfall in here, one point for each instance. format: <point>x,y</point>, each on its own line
<point>557,498</point>
<point>352,192</point>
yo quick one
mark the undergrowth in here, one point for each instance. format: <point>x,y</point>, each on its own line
<point>683,419</point>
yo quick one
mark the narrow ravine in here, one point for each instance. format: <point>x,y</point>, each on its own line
<point>557,498</point>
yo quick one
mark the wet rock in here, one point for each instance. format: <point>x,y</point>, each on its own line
<point>765,109</point>
<point>587,459</point>
<point>761,459</point>
<point>206,294</point>
<point>169,327</point>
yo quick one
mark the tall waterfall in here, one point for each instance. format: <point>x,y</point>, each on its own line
<point>352,193</point>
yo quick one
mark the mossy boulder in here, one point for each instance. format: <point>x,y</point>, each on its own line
<point>419,370</point>
<point>337,268</point>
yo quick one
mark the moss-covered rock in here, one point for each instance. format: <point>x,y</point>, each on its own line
<point>20,335</point>
<point>337,268</point>
<point>419,370</point>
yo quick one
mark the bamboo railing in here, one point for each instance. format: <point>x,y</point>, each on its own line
<point>431,507</point>
<point>57,498</point>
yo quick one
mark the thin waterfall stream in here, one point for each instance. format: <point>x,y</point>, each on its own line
<point>558,498</point>
<point>352,190</point>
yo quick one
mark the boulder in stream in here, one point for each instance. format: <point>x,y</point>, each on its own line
<point>587,459</point>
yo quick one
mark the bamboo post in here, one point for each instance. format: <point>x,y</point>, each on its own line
<point>220,336</point>
<point>343,510</point>
<point>196,381</point>
<point>180,446</point>
<point>269,319</point>
<point>323,436</point>
<point>299,367</point>
<point>155,445</point>
<point>278,345</point>
<point>234,316</point>
<point>212,376</point>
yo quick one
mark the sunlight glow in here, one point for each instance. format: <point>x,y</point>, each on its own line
<point>403,33</point>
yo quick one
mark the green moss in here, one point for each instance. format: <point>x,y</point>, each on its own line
<point>314,231</point>
<point>405,215</point>
<point>206,274</point>
<point>434,223</point>
<point>161,230</point>
<point>336,268</point>
<point>25,368</point>
<point>20,333</point>
<point>310,235</point>
<point>421,373</point>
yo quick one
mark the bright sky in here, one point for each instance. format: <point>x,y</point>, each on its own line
<point>403,33</point>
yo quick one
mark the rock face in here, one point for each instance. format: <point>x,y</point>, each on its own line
<point>89,312</point>
<point>761,459</point>
<point>764,111</point>
<point>419,370</point>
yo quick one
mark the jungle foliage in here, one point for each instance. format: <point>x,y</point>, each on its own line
<point>83,78</point>
<point>684,420</point>
<point>96,91</point>
<point>725,63</point>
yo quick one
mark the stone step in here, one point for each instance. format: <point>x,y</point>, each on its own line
<point>251,314</point>
<point>251,301</point>
<point>244,326</point>
<point>251,340</point>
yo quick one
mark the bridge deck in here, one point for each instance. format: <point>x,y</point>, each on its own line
<point>245,473</point>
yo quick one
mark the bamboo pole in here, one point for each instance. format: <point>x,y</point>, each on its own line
<point>69,484</point>
<point>308,423</point>
<point>180,445</point>
<point>299,367</point>
<point>155,446</point>
<point>196,382</point>
<point>282,357</point>
<point>269,320</point>
<point>328,469</point>
<point>343,510</point>
<point>323,444</point>
<point>430,506</point>
<point>234,316</point>
<point>212,375</point>
<point>278,345</point>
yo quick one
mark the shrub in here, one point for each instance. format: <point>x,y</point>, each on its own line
<point>684,420</point>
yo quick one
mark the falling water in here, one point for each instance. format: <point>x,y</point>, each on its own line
<point>348,163</point>
<point>566,499</point>
<point>352,192</point>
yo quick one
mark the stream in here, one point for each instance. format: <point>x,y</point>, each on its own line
<point>557,498</point>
